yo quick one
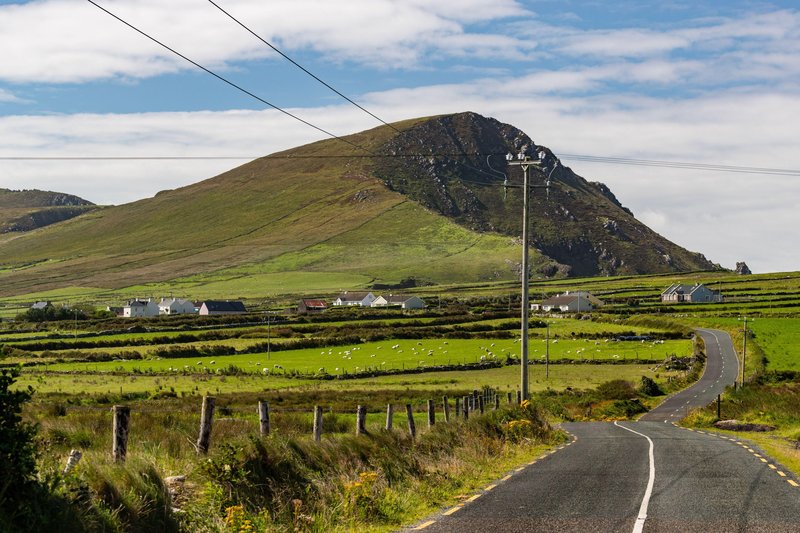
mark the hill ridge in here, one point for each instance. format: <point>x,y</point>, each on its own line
<point>321,219</point>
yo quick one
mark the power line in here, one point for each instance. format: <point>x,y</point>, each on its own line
<point>681,165</point>
<point>225,80</point>
<point>575,157</point>
<point>301,67</point>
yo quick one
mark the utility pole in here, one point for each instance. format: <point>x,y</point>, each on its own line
<point>547,354</point>
<point>524,161</point>
<point>744,348</point>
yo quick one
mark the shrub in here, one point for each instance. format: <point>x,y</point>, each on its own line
<point>616,389</point>
<point>17,452</point>
<point>649,387</point>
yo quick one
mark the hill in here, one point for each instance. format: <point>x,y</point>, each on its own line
<point>27,210</point>
<point>323,217</point>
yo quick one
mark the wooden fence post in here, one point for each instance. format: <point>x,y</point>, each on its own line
<point>466,407</point>
<point>412,429</point>
<point>361,420</point>
<point>206,419</point>
<point>122,418</point>
<point>481,406</point>
<point>496,402</point>
<point>508,394</point>
<point>446,408</point>
<point>263,417</point>
<point>458,407</point>
<point>389,416</point>
<point>431,413</point>
<point>317,423</point>
<point>519,397</point>
<point>719,406</point>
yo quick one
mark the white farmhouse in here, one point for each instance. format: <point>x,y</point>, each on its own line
<point>140,308</point>
<point>565,303</point>
<point>697,293</point>
<point>399,300</point>
<point>363,299</point>
<point>175,306</point>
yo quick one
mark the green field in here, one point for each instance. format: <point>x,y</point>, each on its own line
<point>393,355</point>
<point>779,339</point>
<point>504,379</point>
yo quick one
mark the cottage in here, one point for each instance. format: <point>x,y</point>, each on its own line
<point>697,293</point>
<point>140,308</point>
<point>176,306</point>
<point>309,305</point>
<point>213,307</point>
<point>363,299</point>
<point>399,300</point>
<point>569,302</point>
<point>42,305</point>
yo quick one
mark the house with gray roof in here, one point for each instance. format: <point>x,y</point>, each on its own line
<point>697,293</point>
<point>216,307</point>
<point>347,298</point>
<point>399,300</point>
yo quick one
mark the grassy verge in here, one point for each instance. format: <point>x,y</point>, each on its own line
<point>773,400</point>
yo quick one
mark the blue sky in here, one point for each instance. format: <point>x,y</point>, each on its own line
<point>706,82</point>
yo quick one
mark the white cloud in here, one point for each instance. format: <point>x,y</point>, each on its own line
<point>58,41</point>
<point>9,97</point>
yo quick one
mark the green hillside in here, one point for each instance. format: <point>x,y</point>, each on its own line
<point>323,217</point>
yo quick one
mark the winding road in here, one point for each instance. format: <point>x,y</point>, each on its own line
<point>645,476</point>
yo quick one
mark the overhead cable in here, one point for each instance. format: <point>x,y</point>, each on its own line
<point>301,67</point>
<point>573,157</point>
<point>225,80</point>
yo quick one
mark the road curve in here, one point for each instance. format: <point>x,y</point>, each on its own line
<point>646,476</point>
<point>722,367</point>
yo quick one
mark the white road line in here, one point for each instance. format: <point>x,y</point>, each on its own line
<point>639,525</point>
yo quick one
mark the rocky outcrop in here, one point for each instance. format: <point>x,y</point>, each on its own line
<point>742,269</point>
<point>735,425</point>
<point>455,165</point>
<point>35,198</point>
<point>42,218</point>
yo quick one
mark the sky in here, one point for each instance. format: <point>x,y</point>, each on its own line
<point>702,82</point>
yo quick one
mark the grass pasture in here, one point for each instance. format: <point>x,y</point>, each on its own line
<point>779,339</point>
<point>504,379</point>
<point>391,355</point>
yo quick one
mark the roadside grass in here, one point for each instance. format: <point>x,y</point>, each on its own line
<point>344,483</point>
<point>774,403</point>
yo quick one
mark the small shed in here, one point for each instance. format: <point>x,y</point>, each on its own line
<point>311,305</point>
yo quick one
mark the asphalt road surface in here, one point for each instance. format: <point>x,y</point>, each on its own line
<point>646,476</point>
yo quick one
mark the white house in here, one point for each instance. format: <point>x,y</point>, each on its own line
<point>697,293</point>
<point>364,299</point>
<point>565,303</point>
<point>140,308</point>
<point>399,300</point>
<point>175,306</point>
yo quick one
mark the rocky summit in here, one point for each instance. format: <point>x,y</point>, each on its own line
<point>458,170</point>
